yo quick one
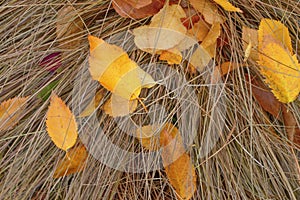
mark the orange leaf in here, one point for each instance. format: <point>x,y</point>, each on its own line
<point>111,66</point>
<point>172,56</point>
<point>61,124</point>
<point>11,112</point>
<point>137,9</point>
<point>178,165</point>
<point>208,10</point>
<point>117,106</point>
<point>199,30</point>
<point>227,6</point>
<point>73,162</point>
<point>149,137</point>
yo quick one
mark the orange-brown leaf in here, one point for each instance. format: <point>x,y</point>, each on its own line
<point>149,137</point>
<point>250,36</point>
<point>91,107</point>
<point>73,162</point>
<point>11,112</point>
<point>61,124</point>
<point>130,9</point>
<point>178,165</point>
<point>117,106</point>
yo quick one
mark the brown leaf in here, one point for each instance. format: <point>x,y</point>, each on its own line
<point>11,112</point>
<point>250,36</point>
<point>291,127</point>
<point>129,10</point>
<point>73,162</point>
<point>178,165</point>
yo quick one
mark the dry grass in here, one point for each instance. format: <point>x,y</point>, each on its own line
<point>252,160</point>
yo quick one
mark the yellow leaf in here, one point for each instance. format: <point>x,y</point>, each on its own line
<point>273,31</point>
<point>282,72</point>
<point>208,10</point>
<point>178,165</point>
<point>247,51</point>
<point>199,30</point>
<point>61,124</point>
<point>250,36</point>
<point>115,71</point>
<point>212,36</point>
<point>117,106</point>
<point>73,162</point>
<point>11,112</point>
<point>164,32</point>
<point>227,6</point>
<point>91,107</point>
<point>172,56</point>
<point>149,137</point>
<point>200,58</point>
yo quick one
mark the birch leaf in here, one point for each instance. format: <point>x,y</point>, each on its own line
<point>11,112</point>
<point>178,165</point>
<point>73,162</point>
<point>61,124</point>
<point>227,6</point>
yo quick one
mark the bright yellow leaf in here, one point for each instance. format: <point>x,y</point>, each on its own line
<point>164,32</point>
<point>227,6</point>
<point>208,10</point>
<point>61,124</point>
<point>117,106</point>
<point>273,31</point>
<point>111,66</point>
<point>178,165</point>
<point>73,162</point>
<point>172,56</point>
<point>282,71</point>
<point>11,112</point>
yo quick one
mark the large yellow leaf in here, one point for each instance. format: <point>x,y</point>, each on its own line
<point>273,31</point>
<point>11,112</point>
<point>61,124</point>
<point>73,162</point>
<point>178,165</point>
<point>164,32</point>
<point>115,71</point>
<point>208,10</point>
<point>282,71</point>
<point>227,6</point>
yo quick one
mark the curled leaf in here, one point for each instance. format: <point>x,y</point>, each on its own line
<point>61,124</point>
<point>11,112</point>
<point>73,162</point>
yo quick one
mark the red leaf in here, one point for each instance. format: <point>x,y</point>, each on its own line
<point>126,10</point>
<point>52,61</point>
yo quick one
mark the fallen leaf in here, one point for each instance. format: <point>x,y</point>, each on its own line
<point>68,25</point>
<point>91,107</point>
<point>111,66</point>
<point>208,10</point>
<point>149,137</point>
<point>247,51</point>
<point>282,72</point>
<point>227,6</point>
<point>250,36</point>
<point>73,162</point>
<point>45,93</point>
<point>164,32</point>
<point>212,36</point>
<point>273,31</point>
<point>61,124</point>
<point>137,9</point>
<point>172,56</point>
<point>178,165</point>
<point>117,106</point>
<point>52,61</point>
<point>200,58</point>
<point>192,17</point>
<point>11,112</point>
<point>199,30</point>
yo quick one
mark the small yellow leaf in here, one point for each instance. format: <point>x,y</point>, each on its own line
<point>282,72</point>
<point>91,107</point>
<point>117,106</point>
<point>273,31</point>
<point>172,56</point>
<point>73,162</point>
<point>115,71</point>
<point>250,36</point>
<point>149,137</point>
<point>11,112</point>
<point>227,6</point>
<point>208,10</point>
<point>164,32</point>
<point>200,58</point>
<point>178,165</point>
<point>247,51</point>
<point>61,124</point>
